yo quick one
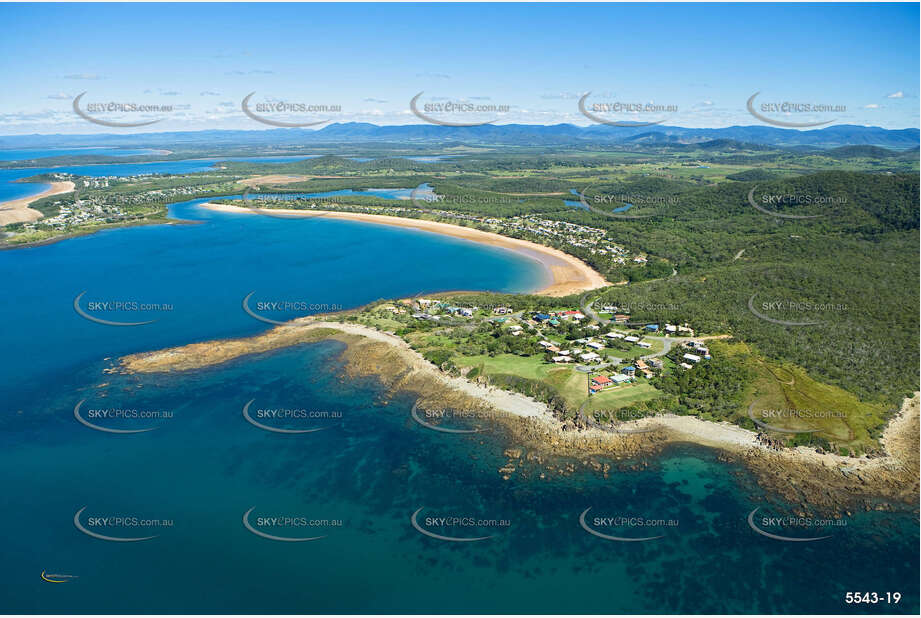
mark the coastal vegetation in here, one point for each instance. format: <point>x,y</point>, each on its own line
<point>806,258</point>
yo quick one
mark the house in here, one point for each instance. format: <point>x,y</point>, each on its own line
<point>613,335</point>
<point>653,328</point>
<point>671,328</point>
<point>589,357</point>
<point>501,310</point>
<point>553,348</point>
<point>691,344</point>
<point>565,352</point>
<point>596,346</point>
<point>619,378</point>
<point>515,327</point>
<point>655,362</point>
<point>593,327</point>
<point>562,359</point>
<point>686,329</point>
<point>640,259</point>
<point>631,339</point>
<point>643,344</point>
<point>692,357</point>
<point>629,370</point>
<point>541,317</point>
<point>575,315</point>
<point>466,312</point>
<point>545,344</point>
<point>601,381</point>
<point>621,318</point>
<point>643,367</point>
<point>686,366</point>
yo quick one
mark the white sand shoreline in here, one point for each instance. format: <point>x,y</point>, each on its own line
<point>18,211</point>
<point>568,274</point>
<point>721,435</point>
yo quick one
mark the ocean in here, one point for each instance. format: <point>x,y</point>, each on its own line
<point>377,488</point>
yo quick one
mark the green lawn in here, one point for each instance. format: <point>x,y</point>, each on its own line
<point>621,396</point>
<point>531,367</point>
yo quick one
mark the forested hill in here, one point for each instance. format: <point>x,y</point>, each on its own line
<point>851,273</point>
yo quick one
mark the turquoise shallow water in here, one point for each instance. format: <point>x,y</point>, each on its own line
<point>361,477</point>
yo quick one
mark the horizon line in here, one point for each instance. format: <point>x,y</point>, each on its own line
<point>658,129</point>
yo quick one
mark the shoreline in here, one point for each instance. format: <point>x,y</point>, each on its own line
<point>816,475</point>
<point>18,211</point>
<point>568,274</point>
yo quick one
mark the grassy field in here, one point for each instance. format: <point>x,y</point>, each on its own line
<point>621,396</point>
<point>784,396</point>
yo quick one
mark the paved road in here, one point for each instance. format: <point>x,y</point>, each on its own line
<point>668,342</point>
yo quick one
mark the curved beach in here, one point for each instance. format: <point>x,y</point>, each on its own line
<point>18,211</point>
<point>569,274</point>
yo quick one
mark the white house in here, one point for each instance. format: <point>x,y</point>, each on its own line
<point>596,346</point>
<point>643,344</point>
<point>692,357</point>
<point>613,335</point>
<point>631,339</point>
<point>589,356</point>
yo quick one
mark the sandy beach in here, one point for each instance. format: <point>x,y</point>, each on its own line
<point>17,211</point>
<point>568,274</point>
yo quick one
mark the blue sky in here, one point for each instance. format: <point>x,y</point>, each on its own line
<point>706,60</point>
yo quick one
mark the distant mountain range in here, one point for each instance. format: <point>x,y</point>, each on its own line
<point>506,134</point>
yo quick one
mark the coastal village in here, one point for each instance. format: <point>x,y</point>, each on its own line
<point>612,352</point>
<point>117,199</point>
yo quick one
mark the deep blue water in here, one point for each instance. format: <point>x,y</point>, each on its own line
<point>33,153</point>
<point>10,190</point>
<point>370,467</point>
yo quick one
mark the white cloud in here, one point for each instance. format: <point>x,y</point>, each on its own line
<point>60,96</point>
<point>896,95</point>
<point>83,76</point>
<point>871,106</point>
